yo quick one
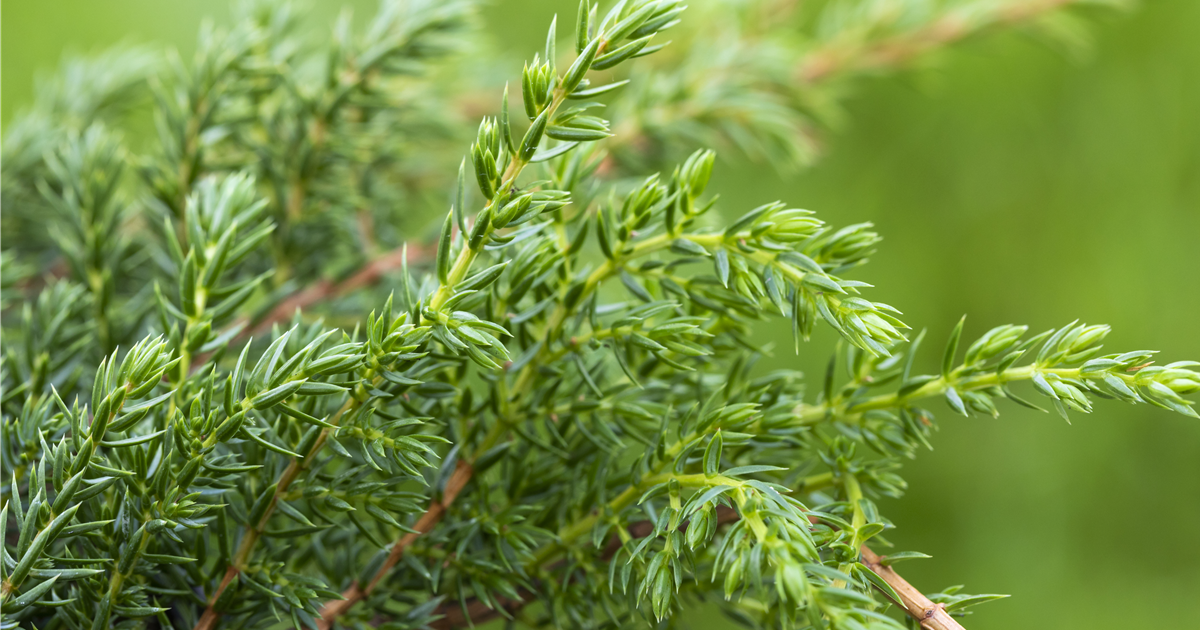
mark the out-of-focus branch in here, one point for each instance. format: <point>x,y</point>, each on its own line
<point>824,63</point>
<point>898,50</point>
<point>367,275</point>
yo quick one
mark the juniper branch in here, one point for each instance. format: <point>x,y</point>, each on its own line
<point>542,84</point>
<point>581,359</point>
<point>916,604</point>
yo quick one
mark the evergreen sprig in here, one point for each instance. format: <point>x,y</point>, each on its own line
<point>559,406</point>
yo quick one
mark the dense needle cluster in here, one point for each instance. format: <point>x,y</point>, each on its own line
<point>551,414</point>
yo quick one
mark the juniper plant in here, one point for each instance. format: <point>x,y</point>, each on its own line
<point>554,415</point>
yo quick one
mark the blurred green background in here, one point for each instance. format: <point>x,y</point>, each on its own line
<point>1013,183</point>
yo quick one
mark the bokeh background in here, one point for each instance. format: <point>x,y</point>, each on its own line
<point>1013,182</point>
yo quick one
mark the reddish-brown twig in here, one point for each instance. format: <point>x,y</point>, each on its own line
<point>932,616</point>
<point>898,50</point>
<point>369,274</point>
<point>352,595</point>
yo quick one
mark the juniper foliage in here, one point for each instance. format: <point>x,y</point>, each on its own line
<point>558,404</point>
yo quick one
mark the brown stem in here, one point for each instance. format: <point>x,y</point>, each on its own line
<point>211,615</point>
<point>354,594</point>
<point>932,616</point>
<point>477,612</point>
<point>209,619</point>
